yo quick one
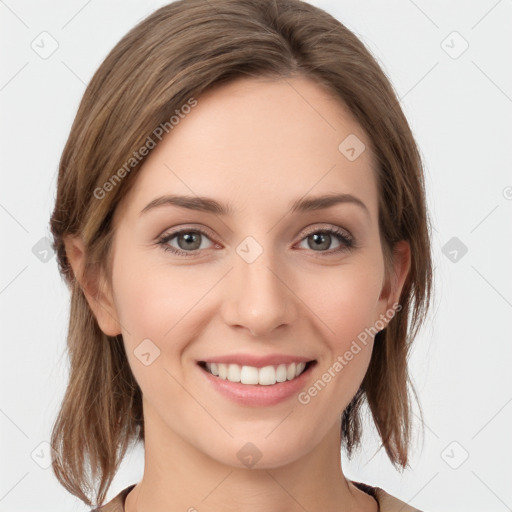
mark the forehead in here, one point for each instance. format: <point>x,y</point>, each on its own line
<point>260,143</point>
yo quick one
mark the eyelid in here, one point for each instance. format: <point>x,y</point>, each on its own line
<point>325,226</point>
<point>186,227</point>
<point>313,228</point>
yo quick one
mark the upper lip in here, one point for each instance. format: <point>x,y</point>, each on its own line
<point>257,361</point>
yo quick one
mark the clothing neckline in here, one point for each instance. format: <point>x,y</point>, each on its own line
<point>368,489</point>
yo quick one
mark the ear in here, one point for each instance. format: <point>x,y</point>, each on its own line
<point>401,256</point>
<point>95,287</point>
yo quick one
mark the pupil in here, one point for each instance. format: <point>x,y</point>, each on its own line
<point>191,239</point>
<point>318,240</point>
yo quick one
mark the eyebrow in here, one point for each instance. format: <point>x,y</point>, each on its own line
<point>209,205</point>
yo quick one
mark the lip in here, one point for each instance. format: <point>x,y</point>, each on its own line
<point>257,361</point>
<point>256,394</point>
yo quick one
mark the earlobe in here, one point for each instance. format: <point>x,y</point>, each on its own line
<point>94,286</point>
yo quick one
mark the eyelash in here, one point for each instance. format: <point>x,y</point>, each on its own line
<point>347,242</point>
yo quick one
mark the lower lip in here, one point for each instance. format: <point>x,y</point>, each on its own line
<point>256,394</point>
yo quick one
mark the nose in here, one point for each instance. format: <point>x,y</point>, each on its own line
<point>258,295</point>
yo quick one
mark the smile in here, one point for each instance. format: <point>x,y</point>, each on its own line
<point>251,375</point>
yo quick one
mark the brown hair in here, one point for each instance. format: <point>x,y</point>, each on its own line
<point>176,53</point>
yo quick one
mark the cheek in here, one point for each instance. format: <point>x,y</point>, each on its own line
<point>155,303</point>
<point>347,309</point>
<point>349,302</point>
<point>164,304</point>
<point>151,298</point>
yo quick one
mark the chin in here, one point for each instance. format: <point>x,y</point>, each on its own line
<point>257,452</point>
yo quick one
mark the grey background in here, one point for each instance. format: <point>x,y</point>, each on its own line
<point>459,105</point>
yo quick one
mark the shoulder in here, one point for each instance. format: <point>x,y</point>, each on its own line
<point>117,503</point>
<point>387,502</point>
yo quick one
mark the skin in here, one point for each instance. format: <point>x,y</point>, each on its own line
<point>257,144</point>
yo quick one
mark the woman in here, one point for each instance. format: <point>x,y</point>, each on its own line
<point>241,219</point>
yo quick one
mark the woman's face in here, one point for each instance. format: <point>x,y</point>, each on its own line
<point>262,280</point>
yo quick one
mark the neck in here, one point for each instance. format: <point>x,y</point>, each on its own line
<point>179,477</point>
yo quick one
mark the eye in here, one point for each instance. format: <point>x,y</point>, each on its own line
<point>189,241</point>
<point>319,239</point>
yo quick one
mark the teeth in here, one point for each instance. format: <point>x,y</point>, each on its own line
<point>281,373</point>
<point>266,376</point>
<point>248,374</point>
<point>234,373</point>
<point>291,371</point>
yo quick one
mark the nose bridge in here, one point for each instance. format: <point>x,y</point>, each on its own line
<point>258,298</point>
